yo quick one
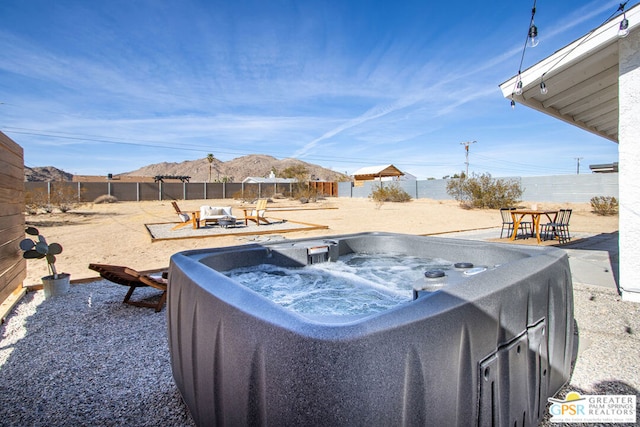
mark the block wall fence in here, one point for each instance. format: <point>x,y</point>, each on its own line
<point>552,189</point>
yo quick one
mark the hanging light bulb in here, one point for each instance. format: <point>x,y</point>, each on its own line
<point>533,35</point>
<point>543,88</point>
<point>623,31</point>
<point>519,87</point>
<point>513,104</point>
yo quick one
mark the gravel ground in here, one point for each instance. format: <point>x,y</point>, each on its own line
<point>609,346</point>
<point>165,231</point>
<point>85,358</point>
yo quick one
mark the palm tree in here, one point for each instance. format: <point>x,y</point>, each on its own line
<point>210,160</point>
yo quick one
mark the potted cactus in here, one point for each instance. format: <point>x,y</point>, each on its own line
<point>36,248</point>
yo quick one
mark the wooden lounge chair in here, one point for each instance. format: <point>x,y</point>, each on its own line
<point>129,277</point>
<point>256,214</point>
<point>185,218</point>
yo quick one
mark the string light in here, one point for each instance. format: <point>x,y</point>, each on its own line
<point>623,31</point>
<point>543,88</point>
<point>533,30</point>
<point>532,40</point>
<point>519,87</point>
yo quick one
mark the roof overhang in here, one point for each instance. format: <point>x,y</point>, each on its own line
<point>372,172</point>
<point>581,78</point>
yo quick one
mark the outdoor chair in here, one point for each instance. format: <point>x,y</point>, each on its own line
<point>185,218</point>
<point>256,214</point>
<point>507,223</point>
<point>129,277</point>
<point>559,227</point>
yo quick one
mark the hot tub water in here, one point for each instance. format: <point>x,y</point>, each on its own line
<point>355,284</point>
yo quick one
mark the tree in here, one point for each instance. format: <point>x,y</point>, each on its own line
<point>210,160</point>
<point>299,172</point>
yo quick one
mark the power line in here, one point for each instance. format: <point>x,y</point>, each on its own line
<point>490,162</point>
<point>188,147</point>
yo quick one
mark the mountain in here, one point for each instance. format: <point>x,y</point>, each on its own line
<point>236,170</point>
<point>46,174</point>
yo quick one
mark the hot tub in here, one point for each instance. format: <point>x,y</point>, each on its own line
<point>485,344</point>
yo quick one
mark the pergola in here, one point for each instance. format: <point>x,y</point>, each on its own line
<point>594,84</point>
<point>371,173</point>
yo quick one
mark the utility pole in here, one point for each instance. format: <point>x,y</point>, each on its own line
<point>578,165</point>
<point>466,154</point>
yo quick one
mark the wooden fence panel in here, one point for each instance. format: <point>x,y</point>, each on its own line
<point>13,268</point>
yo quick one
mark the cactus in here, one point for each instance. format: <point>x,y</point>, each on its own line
<point>38,247</point>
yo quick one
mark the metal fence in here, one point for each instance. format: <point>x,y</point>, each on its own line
<point>140,191</point>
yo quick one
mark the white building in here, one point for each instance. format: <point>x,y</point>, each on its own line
<point>594,83</point>
<point>271,179</point>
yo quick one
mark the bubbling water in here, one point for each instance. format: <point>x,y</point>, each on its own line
<point>356,284</point>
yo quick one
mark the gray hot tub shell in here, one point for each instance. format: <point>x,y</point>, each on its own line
<point>488,350</point>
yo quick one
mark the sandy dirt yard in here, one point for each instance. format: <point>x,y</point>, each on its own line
<point>116,233</point>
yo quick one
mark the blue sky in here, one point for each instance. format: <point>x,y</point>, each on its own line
<point>97,87</point>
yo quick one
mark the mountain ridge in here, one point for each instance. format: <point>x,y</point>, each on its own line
<point>235,170</point>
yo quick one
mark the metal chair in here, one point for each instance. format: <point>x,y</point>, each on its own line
<point>559,227</point>
<point>507,223</point>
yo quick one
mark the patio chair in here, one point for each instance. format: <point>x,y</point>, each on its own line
<point>256,214</point>
<point>129,277</point>
<point>185,218</point>
<point>559,227</point>
<point>507,223</point>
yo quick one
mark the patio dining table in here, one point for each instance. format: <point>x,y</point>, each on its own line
<point>519,214</point>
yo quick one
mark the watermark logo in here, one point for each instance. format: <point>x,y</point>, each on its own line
<point>593,409</point>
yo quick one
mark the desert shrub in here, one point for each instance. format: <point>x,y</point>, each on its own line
<point>390,193</point>
<point>483,191</point>
<point>35,200</point>
<point>249,194</point>
<point>105,198</point>
<point>304,193</point>
<point>65,197</point>
<point>604,205</point>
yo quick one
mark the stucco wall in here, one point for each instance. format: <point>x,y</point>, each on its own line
<point>629,161</point>
<point>556,189</point>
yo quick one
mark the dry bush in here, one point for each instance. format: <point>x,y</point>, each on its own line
<point>483,191</point>
<point>604,205</point>
<point>249,194</point>
<point>391,193</point>
<point>105,198</point>
<point>65,197</point>
<point>304,193</point>
<point>35,200</point>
